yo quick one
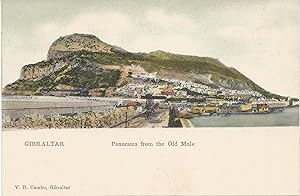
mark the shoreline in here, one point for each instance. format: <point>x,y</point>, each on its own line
<point>289,117</point>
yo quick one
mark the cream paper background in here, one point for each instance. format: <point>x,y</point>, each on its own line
<point>225,161</point>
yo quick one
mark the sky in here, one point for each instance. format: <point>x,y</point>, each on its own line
<point>260,38</point>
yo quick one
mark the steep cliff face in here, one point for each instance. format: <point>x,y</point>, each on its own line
<point>65,45</point>
<point>39,70</point>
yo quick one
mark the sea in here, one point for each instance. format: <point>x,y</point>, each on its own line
<point>289,117</point>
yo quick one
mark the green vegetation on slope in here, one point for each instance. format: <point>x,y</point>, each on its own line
<point>77,78</point>
<point>159,60</point>
<point>88,77</point>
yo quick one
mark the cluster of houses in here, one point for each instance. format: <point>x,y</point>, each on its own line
<point>187,95</point>
<point>142,83</point>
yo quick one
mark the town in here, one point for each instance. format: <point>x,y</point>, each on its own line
<point>146,100</point>
<point>188,97</point>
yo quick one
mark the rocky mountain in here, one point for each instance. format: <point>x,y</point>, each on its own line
<point>81,61</point>
<point>65,45</point>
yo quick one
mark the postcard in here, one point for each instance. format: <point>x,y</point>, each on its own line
<point>150,97</point>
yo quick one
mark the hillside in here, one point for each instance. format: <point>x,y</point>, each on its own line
<point>84,62</point>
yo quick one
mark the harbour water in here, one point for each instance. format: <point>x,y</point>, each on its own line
<point>289,117</point>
